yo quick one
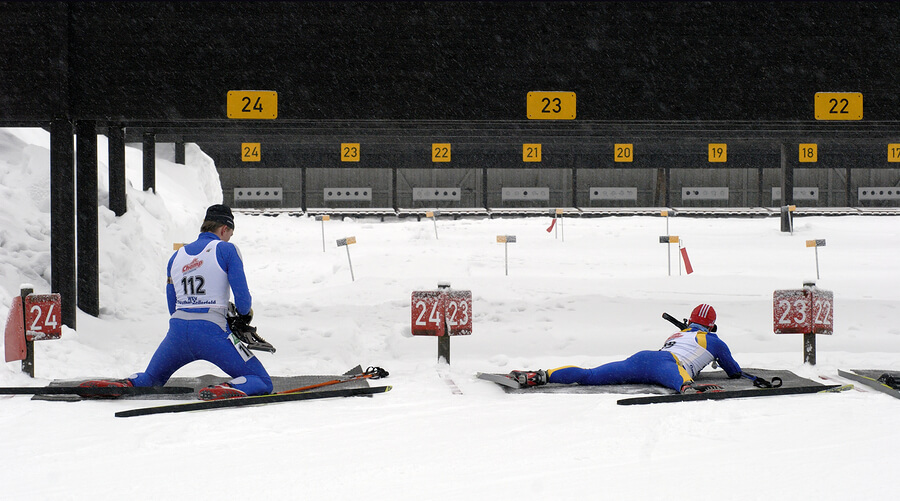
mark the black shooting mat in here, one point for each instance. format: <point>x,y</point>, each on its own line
<point>280,383</point>
<point>718,377</point>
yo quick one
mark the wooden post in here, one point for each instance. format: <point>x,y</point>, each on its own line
<point>180,152</point>
<point>809,349</point>
<point>87,245</point>
<point>28,361</point>
<point>787,190</point>
<point>62,217</point>
<point>117,182</point>
<point>444,341</point>
<point>149,147</point>
<point>444,348</point>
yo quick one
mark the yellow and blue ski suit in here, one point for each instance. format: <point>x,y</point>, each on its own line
<point>680,359</point>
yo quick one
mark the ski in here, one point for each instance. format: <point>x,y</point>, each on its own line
<point>105,392</point>
<point>870,382</point>
<point>252,400</point>
<point>722,395</point>
<point>500,379</point>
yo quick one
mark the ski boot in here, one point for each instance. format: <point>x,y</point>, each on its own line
<point>220,391</point>
<point>529,378</point>
<point>107,383</point>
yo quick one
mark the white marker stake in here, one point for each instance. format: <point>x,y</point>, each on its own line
<point>557,229</point>
<point>791,209</point>
<point>506,240</point>
<point>816,244</point>
<point>345,242</point>
<point>323,219</point>
<point>669,240</point>
<point>433,215</point>
<point>562,231</point>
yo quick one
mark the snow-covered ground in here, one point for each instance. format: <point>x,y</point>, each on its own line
<point>595,297</point>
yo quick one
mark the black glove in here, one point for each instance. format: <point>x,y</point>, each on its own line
<point>375,373</point>
<point>236,319</point>
<point>241,328</point>
<point>890,380</point>
<point>762,383</point>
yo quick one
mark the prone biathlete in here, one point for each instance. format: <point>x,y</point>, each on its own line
<point>674,366</point>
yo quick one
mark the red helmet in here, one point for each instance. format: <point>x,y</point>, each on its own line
<point>704,315</point>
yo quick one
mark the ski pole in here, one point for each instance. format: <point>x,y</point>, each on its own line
<point>371,373</point>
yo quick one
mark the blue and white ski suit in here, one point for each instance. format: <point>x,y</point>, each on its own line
<point>680,359</point>
<point>198,293</point>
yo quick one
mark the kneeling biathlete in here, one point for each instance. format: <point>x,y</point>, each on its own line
<point>674,366</point>
<point>201,277</point>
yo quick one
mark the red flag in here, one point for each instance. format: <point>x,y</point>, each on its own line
<point>16,349</point>
<point>551,225</point>
<point>687,262</point>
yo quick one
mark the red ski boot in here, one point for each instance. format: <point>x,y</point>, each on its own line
<point>220,391</point>
<point>529,378</point>
<point>108,383</point>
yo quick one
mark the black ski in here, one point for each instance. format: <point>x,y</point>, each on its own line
<point>107,391</point>
<point>870,382</point>
<point>722,395</point>
<point>253,400</point>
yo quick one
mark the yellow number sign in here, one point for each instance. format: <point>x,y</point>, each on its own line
<point>894,152</point>
<point>531,153</point>
<point>550,105</point>
<point>250,152</point>
<point>440,152</point>
<point>839,105</point>
<point>623,153</point>
<point>718,152</point>
<point>809,152</point>
<point>349,152</point>
<point>259,104</point>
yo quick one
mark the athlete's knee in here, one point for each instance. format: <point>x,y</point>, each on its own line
<point>144,379</point>
<point>267,383</point>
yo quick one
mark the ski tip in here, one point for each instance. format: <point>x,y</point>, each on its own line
<point>837,389</point>
<point>354,371</point>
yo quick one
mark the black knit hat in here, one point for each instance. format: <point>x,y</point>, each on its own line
<point>220,214</point>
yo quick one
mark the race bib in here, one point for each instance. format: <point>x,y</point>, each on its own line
<point>241,348</point>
